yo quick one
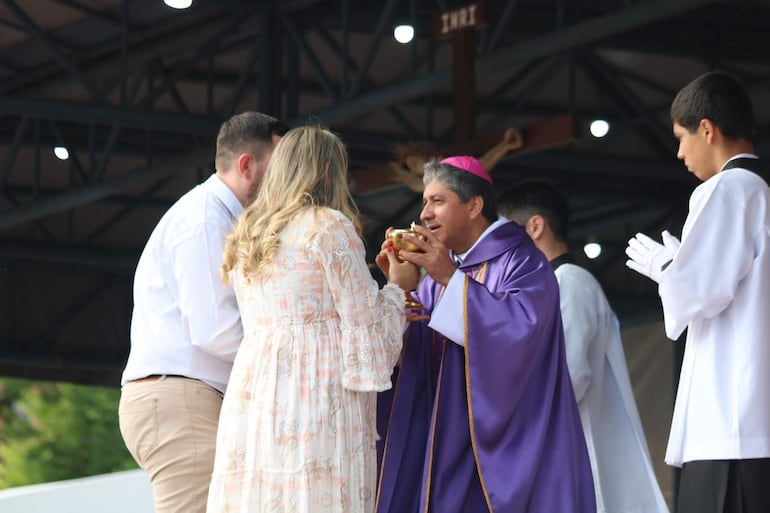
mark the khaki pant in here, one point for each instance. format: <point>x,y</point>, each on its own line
<point>170,426</point>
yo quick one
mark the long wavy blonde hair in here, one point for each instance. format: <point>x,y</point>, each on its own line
<point>307,170</point>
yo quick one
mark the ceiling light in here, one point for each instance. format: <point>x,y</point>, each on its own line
<point>599,128</point>
<point>403,33</point>
<point>592,250</point>
<point>178,4</point>
<point>61,153</point>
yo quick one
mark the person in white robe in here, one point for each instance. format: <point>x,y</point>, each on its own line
<point>716,284</point>
<point>624,478</point>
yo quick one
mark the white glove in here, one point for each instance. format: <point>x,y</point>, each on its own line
<point>648,257</point>
<point>670,241</point>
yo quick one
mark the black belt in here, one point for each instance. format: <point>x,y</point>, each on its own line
<point>156,377</point>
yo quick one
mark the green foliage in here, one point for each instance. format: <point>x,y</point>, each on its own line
<point>55,431</point>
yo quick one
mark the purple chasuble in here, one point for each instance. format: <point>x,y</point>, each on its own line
<point>495,428</point>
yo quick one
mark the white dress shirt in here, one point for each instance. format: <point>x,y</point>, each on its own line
<point>185,321</point>
<point>718,286</point>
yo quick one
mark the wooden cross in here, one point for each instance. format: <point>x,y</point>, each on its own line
<point>406,168</point>
<point>460,24</point>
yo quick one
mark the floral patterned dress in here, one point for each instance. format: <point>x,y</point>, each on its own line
<point>297,427</point>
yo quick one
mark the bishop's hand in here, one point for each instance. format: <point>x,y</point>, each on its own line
<point>432,256</point>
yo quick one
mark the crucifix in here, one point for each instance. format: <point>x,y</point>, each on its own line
<point>460,25</point>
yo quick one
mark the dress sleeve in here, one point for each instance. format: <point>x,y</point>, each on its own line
<point>714,256</point>
<point>371,319</point>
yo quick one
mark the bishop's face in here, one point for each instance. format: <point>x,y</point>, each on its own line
<point>448,218</point>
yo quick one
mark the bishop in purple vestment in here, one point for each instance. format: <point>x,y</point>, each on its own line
<point>482,417</point>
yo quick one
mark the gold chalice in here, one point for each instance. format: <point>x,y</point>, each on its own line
<point>396,237</point>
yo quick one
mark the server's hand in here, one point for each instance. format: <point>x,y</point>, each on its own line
<point>650,258</point>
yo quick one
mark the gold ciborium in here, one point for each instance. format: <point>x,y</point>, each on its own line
<point>399,243</point>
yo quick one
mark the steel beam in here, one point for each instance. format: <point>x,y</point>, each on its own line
<point>108,187</point>
<point>64,60</point>
<point>99,114</point>
<point>583,33</point>
<point>95,260</point>
<point>171,37</point>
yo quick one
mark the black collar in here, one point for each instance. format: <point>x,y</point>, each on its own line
<point>561,260</point>
<point>751,164</point>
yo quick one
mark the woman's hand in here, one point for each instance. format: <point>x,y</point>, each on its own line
<point>381,259</point>
<point>403,274</point>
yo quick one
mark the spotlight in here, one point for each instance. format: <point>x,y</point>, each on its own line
<point>599,128</point>
<point>178,4</point>
<point>61,153</point>
<point>403,33</point>
<point>592,250</point>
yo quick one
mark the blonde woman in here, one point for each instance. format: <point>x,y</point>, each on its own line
<point>297,428</point>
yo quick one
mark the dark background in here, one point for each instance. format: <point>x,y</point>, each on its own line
<point>137,92</point>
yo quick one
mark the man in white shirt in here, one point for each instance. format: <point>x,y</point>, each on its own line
<point>624,479</point>
<point>185,327</point>
<point>716,283</point>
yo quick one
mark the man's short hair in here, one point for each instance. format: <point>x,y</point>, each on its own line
<point>464,184</point>
<point>248,132</point>
<point>718,97</point>
<point>527,199</point>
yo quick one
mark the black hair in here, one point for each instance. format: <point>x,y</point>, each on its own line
<point>247,132</point>
<point>718,97</point>
<point>522,201</point>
